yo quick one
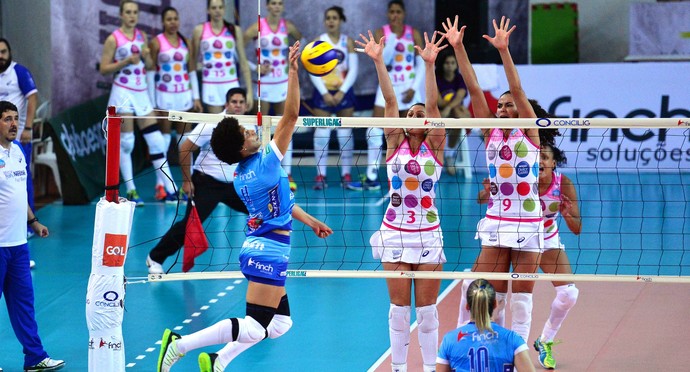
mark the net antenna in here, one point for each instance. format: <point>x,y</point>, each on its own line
<point>323,259</point>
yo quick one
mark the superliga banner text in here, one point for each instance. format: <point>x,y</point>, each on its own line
<point>105,294</point>
<point>615,90</point>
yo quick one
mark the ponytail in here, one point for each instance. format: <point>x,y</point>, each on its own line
<point>481,298</point>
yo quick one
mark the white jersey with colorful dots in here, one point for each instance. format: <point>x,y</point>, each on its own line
<point>402,72</point>
<point>513,170</point>
<point>550,206</point>
<point>413,181</point>
<point>334,79</point>
<point>132,76</point>
<point>172,75</point>
<point>274,52</point>
<point>219,55</point>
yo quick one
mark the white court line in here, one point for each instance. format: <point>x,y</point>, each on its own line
<point>185,321</point>
<point>440,298</point>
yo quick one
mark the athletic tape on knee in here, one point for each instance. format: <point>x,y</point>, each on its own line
<point>567,296</point>
<point>155,141</point>
<point>127,142</point>
<point>279,326</point>
<point>427,318</point>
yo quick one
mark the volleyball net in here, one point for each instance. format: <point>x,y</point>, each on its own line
<point>632,178</point>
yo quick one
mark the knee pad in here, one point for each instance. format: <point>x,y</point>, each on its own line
<point>399,318</point>
<point>250,331</point>
<point>521,306</point>
<point>127,142</point>
<point>279,326</point>
<point>374,138</point>
<point>155,141</point>
<point>427,318</point>
<point>567,295</point>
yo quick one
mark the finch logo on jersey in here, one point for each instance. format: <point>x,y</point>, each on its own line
<point>461,335</point>
<point>114,250</point>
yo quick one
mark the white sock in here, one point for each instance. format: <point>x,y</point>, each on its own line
<point>463,313</point>
<point>167,137</point>
<point>321,139</point>
<point>374,142</point>
<point>427,330</point>
<point>566,297</point>
<point>399,332</point>
<point>219,333</point>
<point>347,145</point>
<point>521,308</point>
<point>500,310</point>
<point>126,148</point>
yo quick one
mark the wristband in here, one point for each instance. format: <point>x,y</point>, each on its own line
<point>31,221</point>
<point>28,128</point>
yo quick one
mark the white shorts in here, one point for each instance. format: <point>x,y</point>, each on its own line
<point>423,247</point>
<point>213,94</point>
<point>272,93</point>
<point>130,101</point>
<point>174,101</point>
<point>380,102</point>
<point>554,243</point>
<point>522,236</point>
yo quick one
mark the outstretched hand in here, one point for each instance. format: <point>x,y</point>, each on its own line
<point>503,31</point>
<point>371,47</point>
<point>294,56</point>
<point>453,34</point>
<point>431,49</point>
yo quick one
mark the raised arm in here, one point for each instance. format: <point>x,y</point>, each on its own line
<point>500,42</point>
<point>286,125</point>
<point>454,37</point>
<point>374,50</point>
<point>437,135</point>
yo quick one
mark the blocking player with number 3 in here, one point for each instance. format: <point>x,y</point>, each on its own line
<point>410,236</point>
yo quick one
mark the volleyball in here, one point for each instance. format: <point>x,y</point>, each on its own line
<point>319,58</point>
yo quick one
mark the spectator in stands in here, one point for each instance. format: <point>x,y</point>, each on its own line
<point>452,92</point>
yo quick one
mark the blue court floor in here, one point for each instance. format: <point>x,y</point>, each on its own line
<point>633,224</point>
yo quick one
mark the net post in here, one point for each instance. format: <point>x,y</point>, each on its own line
<point>112,161</point>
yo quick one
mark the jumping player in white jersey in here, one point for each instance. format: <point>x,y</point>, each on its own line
<point>171,86</point>
<point>334,94</point>
<point>482,345</point>
<point>512,231</point>
<point>274,43</point>
<point>219,46</point>
<point>558,197</point>
<point>405,70</point>
<point>126,54</point>
<point>264,189</point>
<point>410,236</point>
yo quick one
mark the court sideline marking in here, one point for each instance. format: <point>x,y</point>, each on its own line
<point>187,321</point>
<point>440,298</point>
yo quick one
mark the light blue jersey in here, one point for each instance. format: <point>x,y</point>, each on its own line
<point>263,186</point>
<point>465,349</point>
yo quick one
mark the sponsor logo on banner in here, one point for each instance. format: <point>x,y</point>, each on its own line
<point>322,122</point>
<point>114,250</point>
<point>546,122</point>
<point>684,123</point>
